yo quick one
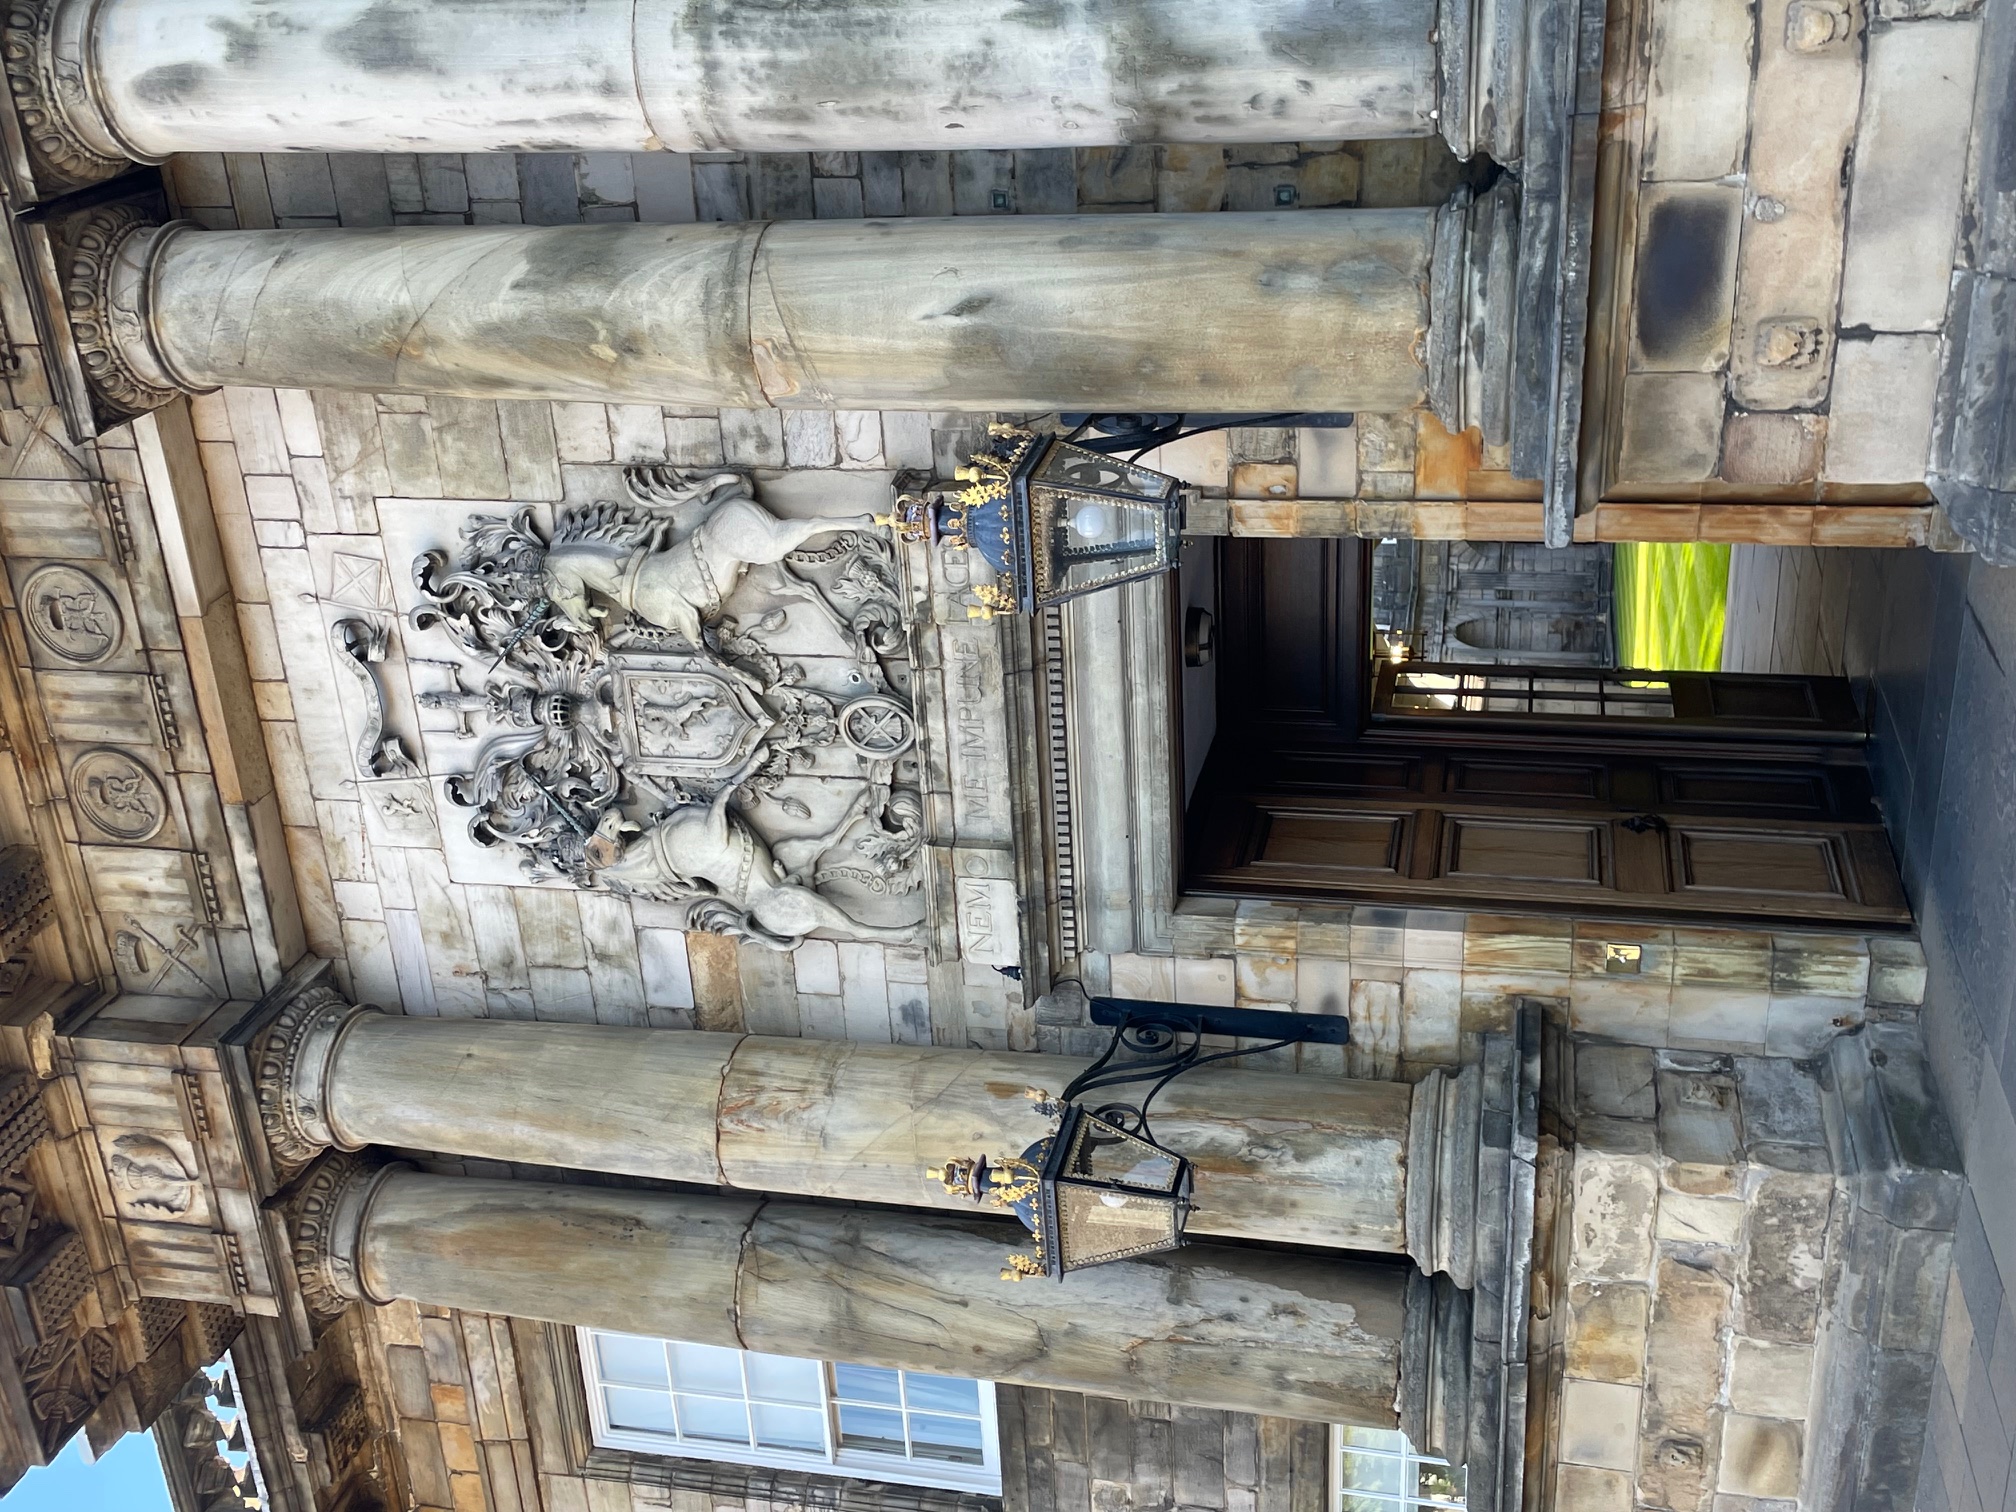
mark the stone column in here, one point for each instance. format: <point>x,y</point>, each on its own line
<point>1315,309</point>
<point>1238,1329</point>
<point>1314,1160</point>
<point>99,82</point>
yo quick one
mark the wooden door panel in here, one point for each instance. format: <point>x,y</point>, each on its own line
<point>1323,841</point>
<point>1490,850</point>
<point>1525,780</point>
<point>1781,864</point>
<point>1789,791</point>
<point>1347,771</point>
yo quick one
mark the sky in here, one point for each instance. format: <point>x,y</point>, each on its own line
<point>127,1479</point>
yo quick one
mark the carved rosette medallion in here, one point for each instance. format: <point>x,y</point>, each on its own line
<point>71,614</point>
<point>116,793</point>
<point>290,1067</point>
<point>67,138</point>
<point>104,288</point>
<point>325,1221</point>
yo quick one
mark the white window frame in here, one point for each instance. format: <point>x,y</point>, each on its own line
<point>1410,1461</point>
<point>861,1464</point>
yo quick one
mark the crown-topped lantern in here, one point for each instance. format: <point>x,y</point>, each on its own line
<point>1053,519</point>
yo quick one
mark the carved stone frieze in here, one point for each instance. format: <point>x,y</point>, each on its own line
<point>290,1063</point>
<point>65,1378</point>
<point>26,907</point>
<point>690,699</point>
<point>117,794</point>
<point>324,1220</point>
<point>68,141</point>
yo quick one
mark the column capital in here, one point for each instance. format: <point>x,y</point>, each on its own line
<point>108,255</point>
<point>325,1226</point>
<point>45,47</point>
<point>290,1068</point>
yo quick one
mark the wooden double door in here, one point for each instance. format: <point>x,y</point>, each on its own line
<point>1587,791</point>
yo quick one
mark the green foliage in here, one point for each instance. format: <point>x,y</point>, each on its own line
<point>1670,602</point>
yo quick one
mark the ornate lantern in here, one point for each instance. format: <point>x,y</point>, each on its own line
<point>1100,1188</point>
<point>1053,519</point>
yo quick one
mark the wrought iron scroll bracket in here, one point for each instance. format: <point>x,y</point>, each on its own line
<point>1154,1043</point>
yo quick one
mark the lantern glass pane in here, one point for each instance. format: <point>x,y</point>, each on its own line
<point>1101,1224</point>
<point>1073,467</point>
<point>1084,541</point>
<point>1102,1153</point>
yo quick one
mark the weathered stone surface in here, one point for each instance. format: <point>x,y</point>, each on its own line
<point>1784,1264</point>
<point>1904,197</point>
<point>1599,1424</point>
<point>1672,427</point>
<point>1803,113</point>
<point>706,78</point>
<point>1698,97</point>
<point>1771,1380</point>
<point>1683,1377</point>
<point>850,314</point>
<point>1607,1324</point>
<point>1880,426</point>
<point>1760,1457</point>
<point>1685,282</point>
<point>1615,1200</point>
<point>1615,1081</point>
<point>872,1287</point>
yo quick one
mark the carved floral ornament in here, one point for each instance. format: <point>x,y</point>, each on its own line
<point>689,699</point>
<point>41,45</point>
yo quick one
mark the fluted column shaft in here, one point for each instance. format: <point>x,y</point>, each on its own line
<point>1317,309</point>
<point>1310,1160</point>
<point>146,78</point>
<point>1234,1329</point>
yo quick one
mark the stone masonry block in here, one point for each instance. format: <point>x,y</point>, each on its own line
<point>1771,1380</point>
<point>1785,1261</point>
<point>1599,1424</point>
<point>1615,1203</point>
<point>1760,1457</point>
<point>1607,1329</point>
<point>1909,165</point>
<point>1615,1081</point>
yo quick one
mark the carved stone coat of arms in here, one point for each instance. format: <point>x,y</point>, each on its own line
<point>684,697</point>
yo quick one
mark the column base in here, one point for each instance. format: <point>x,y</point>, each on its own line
<point>1470,1228</point>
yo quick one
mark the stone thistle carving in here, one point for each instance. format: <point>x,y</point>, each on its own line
<point>65,1378</point>
<point>324,1221</point>
<point>150,1177</point>
<point>691,700</point>
<point>71,614</point>
<point>117,794</point>
<point>290,1066</point>
<point>68,144</point>
<point>360,646</point>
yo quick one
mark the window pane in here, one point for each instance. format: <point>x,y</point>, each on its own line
<point>945,1438</point>
<point>704,1367</point>
<point>713,1418</point>
<point>647,1410</point>
<point>873,1428</point>
<point>631,1360</point>
<point>865,1383</point>
<point>1442,1481</point>
<point>782,1379</point>
<point>789,1427</point>
<point>937,1393</point>
<point>1349,1502</point>
<point>1392,1440</point>
<point>1370,1472</point>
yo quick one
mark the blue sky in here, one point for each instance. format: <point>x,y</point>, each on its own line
<point>127,1479</point>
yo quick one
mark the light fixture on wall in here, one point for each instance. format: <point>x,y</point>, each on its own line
<point>1100,1187</point>
<point>1053,519</point>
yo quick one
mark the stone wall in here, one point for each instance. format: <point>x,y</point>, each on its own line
<point>1749,1263</point>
